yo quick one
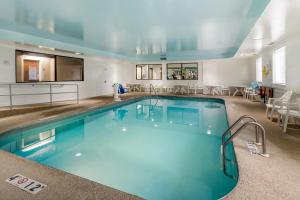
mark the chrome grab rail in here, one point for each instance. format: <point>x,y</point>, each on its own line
<point>152,87</point>
<point>236,123</point>
<point>50,93</point>
<point>227,141</point>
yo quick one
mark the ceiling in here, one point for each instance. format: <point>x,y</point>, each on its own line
<point>143,30</point>
<point>279,22</point>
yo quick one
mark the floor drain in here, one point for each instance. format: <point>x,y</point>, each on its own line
<point>252,148</point>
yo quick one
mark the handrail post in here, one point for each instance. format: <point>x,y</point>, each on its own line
<point>51,98</point>
<point>236,123</point>
<point>263,137</point>
<point>77,93</point>
<point>10,96</point>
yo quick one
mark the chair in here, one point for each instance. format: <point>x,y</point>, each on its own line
<point>253,95</point>
<point>247,91</point>
<point>199,88</point>
<point>225,89</point>
<point>276,103</point>
<point>292,110</point>
<point>206,90</point>
<point>216,90</point>
<point>193,88</point>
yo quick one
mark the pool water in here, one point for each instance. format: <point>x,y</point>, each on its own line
<point>164,148</point>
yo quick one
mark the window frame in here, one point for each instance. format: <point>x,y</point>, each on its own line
<point>259,73</point>
<point>181,67</point>
<point>55,66</point>
<point>69,80</point>
<point>140,65</point>
<point>275,66</point>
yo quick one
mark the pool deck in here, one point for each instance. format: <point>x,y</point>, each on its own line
<point>277,177</point>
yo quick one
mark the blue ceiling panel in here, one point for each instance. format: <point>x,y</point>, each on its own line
<point>141,30</point>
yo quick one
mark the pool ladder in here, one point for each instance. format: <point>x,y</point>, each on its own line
<point>152,87</point>
<point>251,121</point>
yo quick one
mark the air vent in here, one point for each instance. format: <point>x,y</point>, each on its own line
<point>163,57</point>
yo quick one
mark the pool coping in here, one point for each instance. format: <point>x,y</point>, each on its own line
<point>103,108</point>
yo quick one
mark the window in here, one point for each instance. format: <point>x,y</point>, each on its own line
<point>279,66</point>
<point>182,71</point>
<point>39,67</point>
<point>69,69</point>
<point>34,67</point>
<point>259,76</point>
<point>174,72</point>
<point>149,72</point>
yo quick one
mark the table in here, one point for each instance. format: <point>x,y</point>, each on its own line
<point>239,89</point>
<point>181,89</point>
<point>212,89</point>
<point>134,87</point>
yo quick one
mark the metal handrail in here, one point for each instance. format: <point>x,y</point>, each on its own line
<point>50,93</point>
<point>151,86</point>
<point>237,122</point>
<point>226,142</point>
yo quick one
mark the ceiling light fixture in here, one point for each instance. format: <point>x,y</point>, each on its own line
<point>257,38</point>
<point>48,48</point>
<point>78,154</point>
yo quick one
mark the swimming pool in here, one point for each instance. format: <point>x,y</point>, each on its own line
<point>155,148</point>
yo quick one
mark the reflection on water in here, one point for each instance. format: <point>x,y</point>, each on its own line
<point>120,114</point>
<point>37,140</point>
<point>183,116</point>
<point>155,146</point>
<point>149,112</point>
<point>43,140</point>
<point>212,105</point>
<point>28,142</point>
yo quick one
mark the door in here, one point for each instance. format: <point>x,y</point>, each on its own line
<point>31,70</point>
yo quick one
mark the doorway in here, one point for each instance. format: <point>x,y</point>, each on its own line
<point>31,71</point>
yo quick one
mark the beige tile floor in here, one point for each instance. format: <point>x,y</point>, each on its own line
<point>277,177</point>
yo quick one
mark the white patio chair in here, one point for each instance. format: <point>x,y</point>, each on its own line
<point>193,89</point>
<point>292,110</point>
<point>176,89</point>
<point>217,90</point>
<point>206,90</point>
<point>224,90</point>
<point>276,103</point>
<point>199,89</point>
<point>247,92</point>
<point>253,95</point>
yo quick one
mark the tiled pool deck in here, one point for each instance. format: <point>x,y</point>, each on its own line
<point>277,177</point>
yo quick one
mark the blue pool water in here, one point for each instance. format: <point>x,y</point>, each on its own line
<point>165,148</point>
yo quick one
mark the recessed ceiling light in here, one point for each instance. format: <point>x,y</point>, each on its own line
<point>257,38</point>
<point>78,154</point>
<point>49,48</point>
<point>269,44</point>
<point>77,53</point>
<point>124,129</point>
<point>155,125</point>
<point>247,54</point>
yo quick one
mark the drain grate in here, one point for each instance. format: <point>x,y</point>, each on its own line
<point>252,148</point>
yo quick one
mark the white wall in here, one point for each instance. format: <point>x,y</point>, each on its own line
<point>99,74</point>
<point>229,72</point>
<point>223,72</point>
<point>292,66</point>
